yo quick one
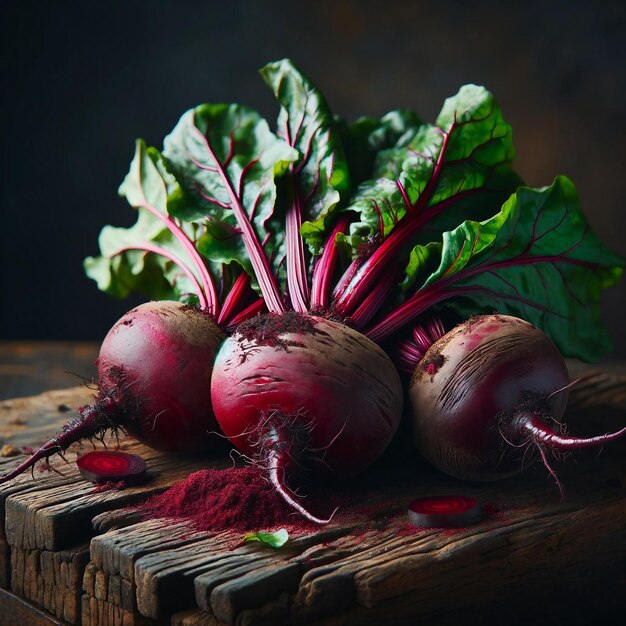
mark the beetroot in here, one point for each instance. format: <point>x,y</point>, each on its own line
<point>154,372</point>
<point>487,392</point>
<point>444,511</point>
<point>102,466</point>
<point>306,396</point>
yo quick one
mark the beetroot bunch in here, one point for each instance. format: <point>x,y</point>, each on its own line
<point>294,266</point>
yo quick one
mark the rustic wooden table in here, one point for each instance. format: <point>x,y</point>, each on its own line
<point>70,556</point>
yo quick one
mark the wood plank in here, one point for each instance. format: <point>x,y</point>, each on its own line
<point>535,548</point>
<point>347,571</point>
<point>45,518</point>
<point>17,612</point>
<point>117,551</point>
<point>195,617</point>
<point>260,587</point>
<point>57,517</point>
<point>165,559</point>
<point>97,612</point>
<point>31,421</point>
<point>51,580</point>
<point>328,585</point>
<point>485,557</point>
<point>108,599</point>
<point>164,579</point>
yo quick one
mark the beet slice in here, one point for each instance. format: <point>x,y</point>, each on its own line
<point>102,466</point>
<point>444,511</point>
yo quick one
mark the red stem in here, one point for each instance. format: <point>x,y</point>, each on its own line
<point>209,287</point>
<point>375,278</point>
<point>258,258</point>
<point>257,306</point>
<point>296,264</point>
<point>384,259</point>
<point>325,268</point>
<point>408,310</point>
<point>177,261</point>
<point>412,351</point>
<point>235,298</point>
<point>543,434</point>
<point>363,279</point>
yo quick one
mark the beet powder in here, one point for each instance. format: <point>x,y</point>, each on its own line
<point>238,499</point>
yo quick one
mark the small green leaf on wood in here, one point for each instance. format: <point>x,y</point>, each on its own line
<point>275,539</point>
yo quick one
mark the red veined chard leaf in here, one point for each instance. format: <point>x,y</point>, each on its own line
<point>459,168</point>
<point>537,259</point>
<point>227,157</point>
<point>316,180</point>
<point>157,256</point>
<point>141,259</point>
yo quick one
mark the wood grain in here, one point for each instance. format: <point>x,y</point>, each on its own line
<point>367,567</point>
<point>30,422</point>
<point>15,611</point>
<point>51,580</point>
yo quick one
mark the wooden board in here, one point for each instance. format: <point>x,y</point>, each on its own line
<point>90,560</point>
<point>46,519</point>
<point>28,368</point>
<point>29,422</point>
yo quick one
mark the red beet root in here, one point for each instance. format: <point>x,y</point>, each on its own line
<point>102,466</point>
<point>444,512</point>
<point>305,395</point>
<point>154,373</point>
<point>487,392</point>
<point>154,370</point>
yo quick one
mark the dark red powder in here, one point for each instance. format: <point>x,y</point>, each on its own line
<point>242,500</point>
<point>266,329</point>
<point>110,485</point>
<point>238,499</point>
<point>496,510</point>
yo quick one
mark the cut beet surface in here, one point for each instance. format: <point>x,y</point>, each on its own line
<point>102,466</point>
<point>444,512</point>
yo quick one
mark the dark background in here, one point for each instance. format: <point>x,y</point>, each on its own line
<point>81,80</point>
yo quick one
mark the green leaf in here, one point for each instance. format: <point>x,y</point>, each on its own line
<point>537,259</point>
<point>371,140</point>
<point>458,169</point>
<point>125,266</point>
<point>319,177</point>
<point>144,184</point>
<point>275,539</point>
<point>226,158</point>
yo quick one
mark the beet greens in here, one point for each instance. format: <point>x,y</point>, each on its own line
<point>374,222</point>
